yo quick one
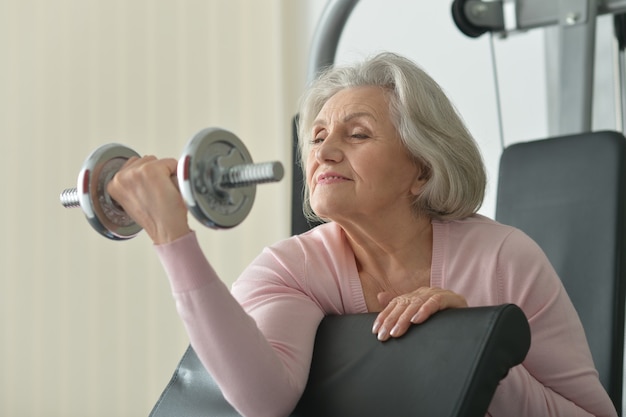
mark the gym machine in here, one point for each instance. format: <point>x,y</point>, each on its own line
<point>575,24</point>
<point>215,175</point>
<point>575,21</point>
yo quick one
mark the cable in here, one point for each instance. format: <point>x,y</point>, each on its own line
<point>494,68</point>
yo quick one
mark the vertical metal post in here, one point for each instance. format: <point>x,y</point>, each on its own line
<point>576,56</point>
<point>619,27</point>
<point>327,34</point>
<point>621,69</point>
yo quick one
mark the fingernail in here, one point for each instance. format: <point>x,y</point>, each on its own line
<point>396,329</point>
<point>382,334</point>
<point>376,327</point>
<point>416,317</point>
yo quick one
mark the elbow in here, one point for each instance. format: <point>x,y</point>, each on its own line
<point>264,403</point>
<point>269,409</point>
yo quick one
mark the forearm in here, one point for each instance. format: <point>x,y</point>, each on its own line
<point>256,377</point>
<point>250,373</point>
<point>526,396</point>
<point>558,377</point>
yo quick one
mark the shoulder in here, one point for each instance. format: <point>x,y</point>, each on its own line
<point>479,232</point>
<point>315,252</point>
<point>321,241</point>
<point>480,244</point>
<point>520,269</point>
<point>315,264</point>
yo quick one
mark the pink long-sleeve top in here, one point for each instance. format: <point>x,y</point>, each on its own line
<point>257,340</point>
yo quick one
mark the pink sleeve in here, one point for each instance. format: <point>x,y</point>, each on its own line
<point>259,354</point>
<point>558,377</point>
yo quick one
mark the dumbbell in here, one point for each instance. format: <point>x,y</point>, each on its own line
<point>216,178</point>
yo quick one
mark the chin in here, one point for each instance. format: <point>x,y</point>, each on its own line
<point>331,210</point>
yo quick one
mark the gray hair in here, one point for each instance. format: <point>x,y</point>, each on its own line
<point>428,125</point>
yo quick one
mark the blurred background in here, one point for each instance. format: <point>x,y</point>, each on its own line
<point>87,325</point>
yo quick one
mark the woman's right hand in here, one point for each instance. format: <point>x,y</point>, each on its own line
<point>146,189</point>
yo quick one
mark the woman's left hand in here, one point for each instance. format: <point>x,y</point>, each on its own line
<point>415,307</point>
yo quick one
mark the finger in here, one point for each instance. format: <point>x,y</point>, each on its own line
<point>136,160</point>
<point>391,303</point>
<point>384,298</point>
<point>403,322</point>
<point>427,309</point>
<point>146,169</point>
<point>436,302</point>
<point>145,182</point>
<point>172,165</point>
<point>395,319</point>
<point>130,161</point>
<point>389,306</point>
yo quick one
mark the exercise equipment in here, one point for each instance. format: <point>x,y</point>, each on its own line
<point>215,175</point>
<point>572,43</point>
<point>449,366</point>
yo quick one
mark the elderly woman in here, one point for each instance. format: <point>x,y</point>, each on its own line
<point>397,179</point>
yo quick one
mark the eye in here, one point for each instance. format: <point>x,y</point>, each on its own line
<point>360,133</point>
<point>359,136</point>
<point>319,135</point>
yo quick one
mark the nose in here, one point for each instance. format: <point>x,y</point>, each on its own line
<point>329,150</point>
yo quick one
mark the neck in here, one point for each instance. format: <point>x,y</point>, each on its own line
<point>394,256</point>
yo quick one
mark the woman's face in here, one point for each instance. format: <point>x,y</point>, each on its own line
<point>357,166</point>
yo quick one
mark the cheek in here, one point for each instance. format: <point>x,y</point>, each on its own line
<point>309,170</point>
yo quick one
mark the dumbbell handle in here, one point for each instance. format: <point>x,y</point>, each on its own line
<point>233,177</point>
<point>69,198</point>
<point>252,174</point>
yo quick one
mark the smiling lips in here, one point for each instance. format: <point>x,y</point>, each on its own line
<point>330,178</point>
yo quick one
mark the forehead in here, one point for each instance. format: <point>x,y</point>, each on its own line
<point>364,101</point>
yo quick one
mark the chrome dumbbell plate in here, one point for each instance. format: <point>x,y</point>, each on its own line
<point>203,178</point>
<point>104,215</point>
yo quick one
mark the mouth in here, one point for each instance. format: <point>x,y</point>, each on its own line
<point>330,177</point>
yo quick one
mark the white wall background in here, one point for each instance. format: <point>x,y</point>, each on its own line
<point>87,325</point>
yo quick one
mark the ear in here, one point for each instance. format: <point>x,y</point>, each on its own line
<point>422,177</point>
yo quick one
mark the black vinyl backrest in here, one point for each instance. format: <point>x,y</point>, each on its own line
<point>568,194</point>
<point>448,366</point>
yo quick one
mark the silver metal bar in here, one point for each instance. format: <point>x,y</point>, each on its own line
<point>530,13</point>
<point>571,45</point>
<point>327,34</point>
<point>622,89</point>
<point>576,65</point>
<point>619,70</point>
